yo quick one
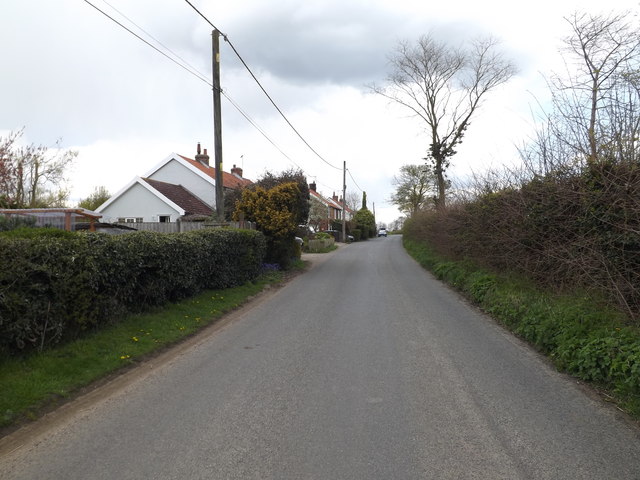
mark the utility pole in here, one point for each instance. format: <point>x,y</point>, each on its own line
<point>217,123</point>
<point>344,201</point>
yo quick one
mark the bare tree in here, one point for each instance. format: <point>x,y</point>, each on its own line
<point>353,201</point>
<point>444,86</point>
<point>34,175</point>
<point>596,101</point>
<point>415,186</point>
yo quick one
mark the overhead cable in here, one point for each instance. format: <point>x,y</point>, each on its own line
<point>226,38</point>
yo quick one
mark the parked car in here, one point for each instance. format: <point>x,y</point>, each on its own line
<point>382,232</point>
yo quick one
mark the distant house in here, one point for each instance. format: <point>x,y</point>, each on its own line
<point>177,188</point>
<point>324,210</point>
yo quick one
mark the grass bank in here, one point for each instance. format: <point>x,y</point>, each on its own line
<point>36,382</point>
<point>580,334</point>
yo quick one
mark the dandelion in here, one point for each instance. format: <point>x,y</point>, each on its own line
<point>135,339</point>
<point>124,357</point>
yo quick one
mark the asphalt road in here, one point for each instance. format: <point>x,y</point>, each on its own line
<point>363,368</point>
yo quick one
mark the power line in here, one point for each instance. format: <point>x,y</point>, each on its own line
<point>193,71</point>
<point>257,127</point>
<point>143,40</point>
<point>226,38</point>
<point>354,180</point>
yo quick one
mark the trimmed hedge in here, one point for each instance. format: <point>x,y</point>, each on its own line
<point>53,288</point>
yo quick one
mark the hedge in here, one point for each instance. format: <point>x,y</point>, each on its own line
<point>53,288</point>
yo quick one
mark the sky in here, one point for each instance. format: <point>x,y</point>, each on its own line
<point>69,73</point>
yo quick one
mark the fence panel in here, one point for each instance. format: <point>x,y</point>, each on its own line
<point>174,227</point>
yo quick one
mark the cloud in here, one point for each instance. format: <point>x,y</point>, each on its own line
<point>343,43</point>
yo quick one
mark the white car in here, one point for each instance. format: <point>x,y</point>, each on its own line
<point>382,232</point>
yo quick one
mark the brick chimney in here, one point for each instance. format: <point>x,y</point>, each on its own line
<point>203,158</point>
<point>236,171</point>
<point>335,197</point>
<point>312,186</point>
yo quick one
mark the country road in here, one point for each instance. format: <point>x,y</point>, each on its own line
<point>365,367</point>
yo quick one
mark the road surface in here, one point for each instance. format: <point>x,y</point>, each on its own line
<point>365,367</point>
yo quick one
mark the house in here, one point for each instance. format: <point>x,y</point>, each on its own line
<point>324,210</point>
<point>177,188</point>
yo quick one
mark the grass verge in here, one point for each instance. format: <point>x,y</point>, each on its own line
<point>582,335</point>
<point>36,382</point>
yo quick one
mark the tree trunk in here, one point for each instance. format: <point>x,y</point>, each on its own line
<point>439,171</point>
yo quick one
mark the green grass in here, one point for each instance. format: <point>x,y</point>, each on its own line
<point>38,381</point>
<point>579,332</point>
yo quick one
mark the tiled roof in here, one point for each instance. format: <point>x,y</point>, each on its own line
<point>326,200</point>
<point>228,180</point>
<point>182,197</point>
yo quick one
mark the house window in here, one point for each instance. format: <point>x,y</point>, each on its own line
<point>164,218</point>
<point>132,220</point>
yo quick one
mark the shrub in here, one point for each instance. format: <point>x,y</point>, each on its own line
<point>275,212</point>
<point>366,223</point>
<point>54,288</point>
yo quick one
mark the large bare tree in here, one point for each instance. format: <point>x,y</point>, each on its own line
<point>596,101</point>
<point>444,85</point>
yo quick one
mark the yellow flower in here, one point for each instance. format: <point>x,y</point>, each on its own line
<point>135,339</point>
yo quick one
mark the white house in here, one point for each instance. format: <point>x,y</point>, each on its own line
<point>176,188</point>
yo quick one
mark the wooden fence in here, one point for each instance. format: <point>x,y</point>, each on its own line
<point>175,227</point>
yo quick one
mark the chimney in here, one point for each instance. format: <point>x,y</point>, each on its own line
<point>203,158</point>
<point>335,197</point>
<point>236,171</point>
<point>312,186</point>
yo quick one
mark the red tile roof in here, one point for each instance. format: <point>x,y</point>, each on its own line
<point>182,197</point>
<point>228,180</point>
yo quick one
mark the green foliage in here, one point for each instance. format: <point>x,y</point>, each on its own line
<point>301,205</point>
<point>323,235</point>
<point>269,181</point>
<point>572,226</point>
<point>95,199</point>
<point>366,223</point>
<point>275,212</point>
<point>585,338</point>
<point>54,288</point>
<point>36,232</point>
<point>416,186</point>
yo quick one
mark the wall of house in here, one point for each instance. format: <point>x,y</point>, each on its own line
<point>176,173</point>
<point>138,202</point>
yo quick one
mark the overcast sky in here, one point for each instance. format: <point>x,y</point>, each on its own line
<point>69,72</point>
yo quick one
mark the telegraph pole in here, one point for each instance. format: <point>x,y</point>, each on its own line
<point>217,123</point>
<point>344,201</point>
